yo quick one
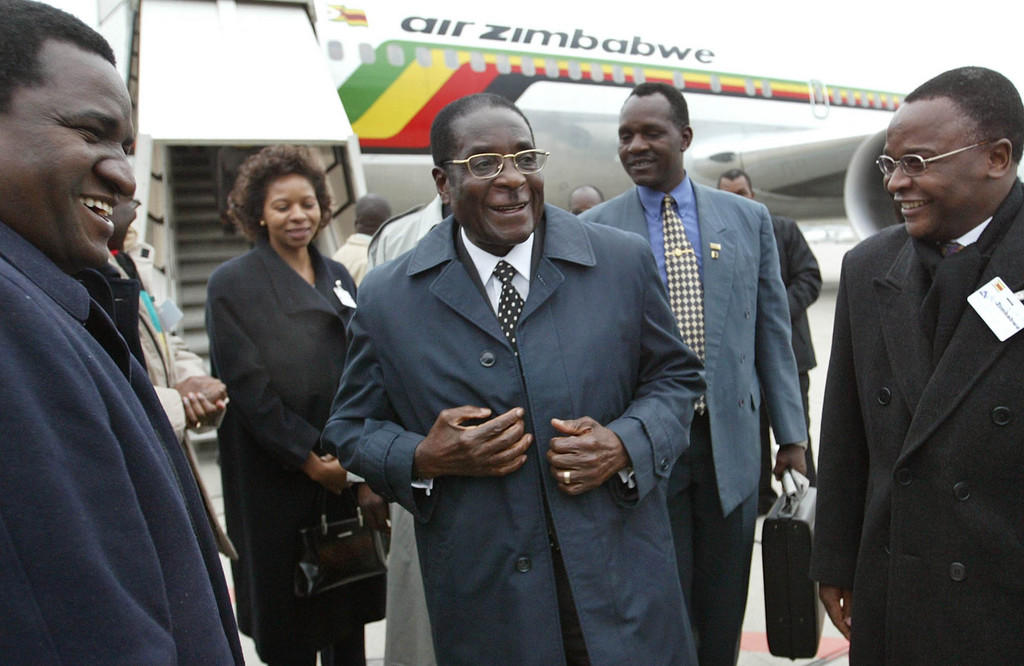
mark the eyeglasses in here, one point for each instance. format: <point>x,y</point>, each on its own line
<point>489,165</point>
<point>915,165</point>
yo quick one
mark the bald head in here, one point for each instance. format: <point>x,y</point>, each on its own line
<point>584,198</point>
<point>371,212</point>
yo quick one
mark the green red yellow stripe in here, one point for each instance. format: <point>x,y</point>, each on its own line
<point>391,106</point>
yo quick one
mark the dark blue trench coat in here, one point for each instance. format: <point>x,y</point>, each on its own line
<point>596,338</point>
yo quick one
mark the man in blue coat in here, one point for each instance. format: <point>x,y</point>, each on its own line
<point>105,552</point>
<point>517,383</point>
<point>744,328</point>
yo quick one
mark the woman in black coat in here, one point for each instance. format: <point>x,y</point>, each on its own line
<point>277,319</point>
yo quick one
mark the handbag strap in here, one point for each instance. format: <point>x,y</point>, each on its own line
<point>322,503</point>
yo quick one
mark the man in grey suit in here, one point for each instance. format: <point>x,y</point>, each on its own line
<point>745,334</point>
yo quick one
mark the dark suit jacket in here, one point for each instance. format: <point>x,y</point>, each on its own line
<point>596,337</point>
<point>921,482</point>
<point>105,552</point>
<point>802,278</point>
<point>746,328</point>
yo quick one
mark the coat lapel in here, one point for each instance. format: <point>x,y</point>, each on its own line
<point>454,286</point>
<point>564,240</point>
<point>718,275</point>
<point>973,348</point>
<point>294,295</point>
<point>899,295</point>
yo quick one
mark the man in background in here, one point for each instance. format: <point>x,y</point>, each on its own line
<point>371,212</point>
<point>192,399</point>
<point>802,278</point>
<point>716,254</point>
<point>584,198</point>
<point>105,554</point>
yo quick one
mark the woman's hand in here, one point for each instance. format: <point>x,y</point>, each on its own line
<point>375,509</point>
<point>327,471</point>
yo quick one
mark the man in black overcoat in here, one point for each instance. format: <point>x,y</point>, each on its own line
<point>919,542</point>
<point>105,552</point>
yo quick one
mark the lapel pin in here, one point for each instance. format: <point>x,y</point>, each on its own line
<point>715,249</point>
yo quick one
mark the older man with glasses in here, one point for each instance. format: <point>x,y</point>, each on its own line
<point>516,381</point>
<point>919,543</point>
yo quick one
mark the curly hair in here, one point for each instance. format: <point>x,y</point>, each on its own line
<point>249,194</point>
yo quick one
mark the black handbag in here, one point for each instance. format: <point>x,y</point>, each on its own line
<point>334,553</point>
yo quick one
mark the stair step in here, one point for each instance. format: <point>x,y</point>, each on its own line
<point>197,272</point>
<point>217,254</point>
<point>194,319</point>
<point>197,342</point>
<point>196,201</point>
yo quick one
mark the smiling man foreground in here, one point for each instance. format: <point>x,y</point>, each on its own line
<point>919,542</point>
<point>526,367</point>
<point>105,552</point>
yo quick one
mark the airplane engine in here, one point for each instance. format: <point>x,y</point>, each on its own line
<point>869,207</point>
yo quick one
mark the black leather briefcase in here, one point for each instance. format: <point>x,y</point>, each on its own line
<point>793,612</point>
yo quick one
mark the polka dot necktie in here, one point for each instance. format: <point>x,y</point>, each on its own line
<point>510,303</point>
<point>685,291</point>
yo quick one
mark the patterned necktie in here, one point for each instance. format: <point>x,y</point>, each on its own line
<point>685,292</point>
<point>949,248</point>
<point>510,303</point>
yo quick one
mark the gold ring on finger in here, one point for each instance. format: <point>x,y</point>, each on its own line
<point>567,477</point>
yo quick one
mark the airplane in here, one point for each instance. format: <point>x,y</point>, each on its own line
<point>212,80</point>
<point>396,64</point>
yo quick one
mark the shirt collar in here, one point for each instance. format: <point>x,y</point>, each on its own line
<point>651,199</point>
<point>973,235</point>
<point>519,256</point>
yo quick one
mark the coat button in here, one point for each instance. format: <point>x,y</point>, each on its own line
<point>884,396</point>
<point>957,571</point>
<point>1001,416</point>
<point>903,476</point>
<point>487,359</point>
<point>742,402</point>
<point>747,314</point>
<point>663,464</point>
<point>962,491</point>
<point>523,564</point>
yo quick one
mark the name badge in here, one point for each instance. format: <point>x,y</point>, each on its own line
<point>998,307</point>
<point>343,295</point>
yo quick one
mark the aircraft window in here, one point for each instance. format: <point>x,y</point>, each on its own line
<point>423,57</point>
<point>504,66</point>
<point>367,55</point>
<point>551,68</point>
<point>335,50</point>
<point>716,84</point>
<point>596,72</point>
<point>638,75</point>
<point>451,59</point>
<point>477,62</point>
<point>818,97</point>
<point>396,55</point>
<point>618,76</point>
<point>528,67</point>
<point>679,80</point>
<point>766,88</point>
<point>749,87</point>
<point>575,70</point>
